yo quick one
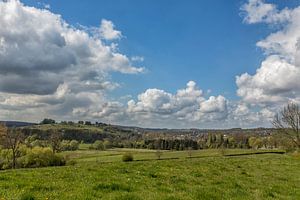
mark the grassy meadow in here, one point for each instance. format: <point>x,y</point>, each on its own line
<point>201,174</point>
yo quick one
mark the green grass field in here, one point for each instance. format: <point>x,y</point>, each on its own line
<point>208,175</point>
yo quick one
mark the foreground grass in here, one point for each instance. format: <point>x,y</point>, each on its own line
<point>268,176</point>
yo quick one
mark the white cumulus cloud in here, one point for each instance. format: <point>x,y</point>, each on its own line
<point>186,107</point>
<point>258,11</point>
<point>276,81</point>
<point>107,30</point>
<point>50,68</point>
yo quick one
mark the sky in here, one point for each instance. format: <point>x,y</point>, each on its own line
<point>174,64</point>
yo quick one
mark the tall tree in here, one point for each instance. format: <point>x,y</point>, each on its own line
<point>55,140</point>
<point>287,122</point>
<point>11,139</point>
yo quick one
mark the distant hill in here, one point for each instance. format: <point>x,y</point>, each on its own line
<point>100,131</point>
<point>17,123</point>
<point>80,132</point>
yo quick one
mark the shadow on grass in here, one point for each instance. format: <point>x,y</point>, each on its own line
<point>255,153</point>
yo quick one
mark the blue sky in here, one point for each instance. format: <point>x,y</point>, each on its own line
<point>205,41</point>
<point>206,64</point>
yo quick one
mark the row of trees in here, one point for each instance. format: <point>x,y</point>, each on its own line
<point>211,141</point>
<point>88,123</point>
<point>286,135</point>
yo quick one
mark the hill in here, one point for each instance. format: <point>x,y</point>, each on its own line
<point>17,123</point>
<point>80,132</point>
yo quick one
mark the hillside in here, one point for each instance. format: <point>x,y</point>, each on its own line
<point>17,123</point>
<point>80,132</point>
<point>129,136</point>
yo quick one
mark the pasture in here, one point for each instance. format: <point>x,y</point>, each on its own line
<point>201,174</point>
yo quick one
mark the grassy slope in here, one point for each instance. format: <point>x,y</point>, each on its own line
<point>268,176</point>
<point>115,155</point>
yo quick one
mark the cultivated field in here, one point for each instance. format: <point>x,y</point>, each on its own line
<point>203,174</point>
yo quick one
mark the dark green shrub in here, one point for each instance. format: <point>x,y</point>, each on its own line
<point>127,157</point>
<point>57,160</point>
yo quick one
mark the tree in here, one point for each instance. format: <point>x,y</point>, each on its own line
<point>74,145</point>
<point>88,123</point>
<point>55,141</point>
<point>107,144</point>
<point>252,142</point>
<point>12,139</point>
<point>48,121</point>
<point>287,122</point>
<point>67,145</point>
<point>30,140</point>
<point>209,142</point>
<point>3,129</point>
<point>98,145</point>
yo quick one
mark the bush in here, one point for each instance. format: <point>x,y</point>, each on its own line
<point>41,157</point>
<point>97,145</point>
<point>38,143</point>
<point>67,145</point>
<point>36,157</point>
<point>127,157</point>
<point>107,144</point>
<point>74,145</point>
<point>5,159</point>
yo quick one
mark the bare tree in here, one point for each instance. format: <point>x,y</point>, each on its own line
<point>12,139</point>
<point>55,140</point>
<point>3,129</point>
<point>287,122</point>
